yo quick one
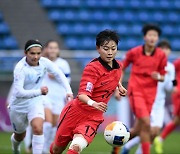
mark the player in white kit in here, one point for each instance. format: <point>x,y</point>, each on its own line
<point>54,102</point>
<point>158,109</point>
<point>26,103</point>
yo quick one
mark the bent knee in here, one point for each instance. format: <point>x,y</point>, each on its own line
<point>76,148</point>
<point>37,130</point>
<point>146,124</point>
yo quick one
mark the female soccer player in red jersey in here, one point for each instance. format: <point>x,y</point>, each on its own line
<point>148,67</point>
<point>81,117</point>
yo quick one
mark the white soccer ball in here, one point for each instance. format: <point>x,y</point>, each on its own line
<point>116,134</point>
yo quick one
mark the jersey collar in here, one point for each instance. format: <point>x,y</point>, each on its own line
<point>115,64</point>
<point>151,53</point>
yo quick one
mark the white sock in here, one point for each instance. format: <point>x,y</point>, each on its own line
<point>15,144</point>
<point>139,149</point>
<point>53,133</point>
<point>47,129</point>
<point>37,144</point>
<point>28,137</point>
<point>133,142</point>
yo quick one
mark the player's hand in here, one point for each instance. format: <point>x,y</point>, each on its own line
<point>44,90</point>
<point>116,95</point>
<point>51,76</point>
<point>100,106</point>
<point>122,90</point>
<point>69,97</point>
<point>156,76</point>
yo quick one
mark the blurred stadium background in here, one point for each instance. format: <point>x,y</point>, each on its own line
<point>74,24</point>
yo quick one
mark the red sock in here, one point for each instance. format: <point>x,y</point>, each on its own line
<point>168,129</point>
<point>145,147</point>
<point>51,151</point>
<point>70,151</point>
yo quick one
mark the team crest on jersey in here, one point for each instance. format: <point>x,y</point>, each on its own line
<point>89,86</point>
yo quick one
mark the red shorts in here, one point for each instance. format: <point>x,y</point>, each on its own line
<point>176,103</point>
<point>140,105</point>
<point>73,120</point>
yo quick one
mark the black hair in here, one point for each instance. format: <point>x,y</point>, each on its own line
<point>106,36</point>
<point>32,43</point>
<point>164,44</point>
<point>49,41</point>
<point>148,27</point>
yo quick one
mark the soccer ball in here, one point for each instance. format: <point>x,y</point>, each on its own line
<point>116,134</point>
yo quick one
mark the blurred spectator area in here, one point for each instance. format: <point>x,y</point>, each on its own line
<point>7,41</point>
<point>78,21</point>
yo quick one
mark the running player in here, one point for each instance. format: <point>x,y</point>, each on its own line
<point>148,67</point>
<point>176,108</point>
<point>26,103</point>
<point>54,102</point>
<point>81,117</point>
<point>158,109</point>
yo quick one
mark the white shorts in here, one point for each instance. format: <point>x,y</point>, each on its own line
<point>21,120</point>
<point>157,117</point>
<point>55,105</point>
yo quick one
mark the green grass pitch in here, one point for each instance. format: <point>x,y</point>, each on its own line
<point>99,146</point>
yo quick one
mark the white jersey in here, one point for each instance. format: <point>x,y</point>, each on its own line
<point>166,85</point>
<point>52,84</point>
<point>157,113</point>
<point>28,80</point>
<point>53,97</point>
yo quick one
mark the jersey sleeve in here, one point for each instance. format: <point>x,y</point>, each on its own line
<point>162,65</point>
<point>129,58</point>
<point>18,85</point>
<point>169,85</point>
<point>58,74</point>
<point>88,80</point>
<point>67,71</point>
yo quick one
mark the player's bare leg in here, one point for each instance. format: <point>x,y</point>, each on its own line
<point>116,150</point>
<point>54,126</point>
<point>154,132</point>
<point>136,129</point>
<point>38,137</point>
<point>145,134</point>
<point>16,140</point>
<point>54,149</point>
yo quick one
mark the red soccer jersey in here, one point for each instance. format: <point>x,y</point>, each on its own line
<point>142,68</point>
<point>98,82</point>
<point>177,70</point>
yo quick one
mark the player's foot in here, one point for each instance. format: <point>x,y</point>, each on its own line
<point>158,145</point>
<point>116,150</point>
<point>124,150</point>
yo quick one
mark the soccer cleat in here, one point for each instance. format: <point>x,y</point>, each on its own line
<point>116,150</point>
<point>158,145</point>
<point>124,151</point>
